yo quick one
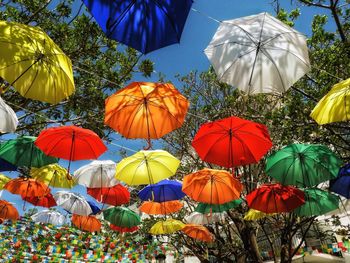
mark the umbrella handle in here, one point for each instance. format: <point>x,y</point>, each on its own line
<point>149,145</point>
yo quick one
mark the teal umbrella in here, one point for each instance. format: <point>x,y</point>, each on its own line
<point>23,152</point>
<point>122,217</point>
<point>303,165</point>
<point>213,208</point>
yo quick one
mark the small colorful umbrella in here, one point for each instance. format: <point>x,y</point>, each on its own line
<point>115,195</point>
<point>204,219</point>
<point>6,166</point>
<point>44,201</point>
<point>165,190</point>
<point>303,165</point>
<point>95,209</point>
<point>26,187</point>
<point>3,180</point>
<point>87,223</point>
<point>73,203</point>
<point>208,186</point>
<point>168,226</point>
<point>147,167</point>
<point>53,175</point>
<point>8,118</point>
<point>232,142</point>
<point>334,106</point>
<point>163,208</point>
<point>49,217</point>
<point>8,211</point>
<point>213,208</point>
<point>341,184</point>
<point>124,229</point>
<point>275,198</point>
<point>198,232</point>
<point>253,215</point>
<point>122,217</point>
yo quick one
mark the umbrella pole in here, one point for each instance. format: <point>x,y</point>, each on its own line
<point>70,155</point>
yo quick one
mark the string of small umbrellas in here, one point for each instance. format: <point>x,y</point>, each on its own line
<point>257,54</point>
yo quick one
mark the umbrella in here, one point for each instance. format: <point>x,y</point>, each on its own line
<point>53,175</point>
<point>26,187</point>
<point>8,211</point>
<point>115,195</point>
<point>341,184</point>
<point>6,166</point>
<point>232,142</point>
<point>213,208</point>
<point>49,217</point>
<point>144,26</point>
<point>253,215</point>
<point>258,54</point>
<point>303,164</point>
<point>33,64</point>
<point>73,203</point>
<point>44,201</point>
<point>198,232</point>
<point>165,190</point>
<point>164,208</point>
<point>96,174</point>
<point>3,180</point>
<point>208,186</point>
<point>23,152</point>
<point>86,223</point>
<point>203,219</point>
<point>146,110</point>
<point>95,209</point>
<point>317,202</point>
<point>122,217</point>
<point>334,106</point>
<point>124,229</point>
<point>8,118</point>
<point>275,198</point>
<point>147,167</point>
<point>168,226</point>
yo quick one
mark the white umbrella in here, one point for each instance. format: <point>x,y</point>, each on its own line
<point>49,217</point>
<point>97,174</point>
<point>8,118</point>
<point>73,203</point>
<point>204,219</point>
<point>258,54</point>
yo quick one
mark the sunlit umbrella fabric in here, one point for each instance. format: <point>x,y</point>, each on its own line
<point>27,187</point>
<point>44,201</point>
<point>168,226</point>
<point>86,223</point>
<point>8,118</point>
<point>198,232</point>
<point>115,195</point>
<point>8,211</point>
<point>205,219</point>
<point>165,190</point>
<point>163,208</point>
<point>73,203</point>
<point>53,175</point>
<point>3,180</point>
<point>49,217</point>
<point>253,215</point>
<point>122,217</point>
<point>214,208</point>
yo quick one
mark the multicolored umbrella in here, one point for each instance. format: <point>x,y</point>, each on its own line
<point>3,180</point>
<point>116,195</point>
<point>303,165</point>
<point>122,217</point>
<point>44,201</point>
<point>124,229</point>
<point>87,223</point>
<point>26,187</point>
<point>253,215</point>
<point>341,184</point>
<point>6,166</point>
<point>198,232</point>
<point>8,118</point>
<point>168,226</point>
<point>49,217</point>
<point>165,190</point>
<point>8,211</point>
<point>163,208</point>
<point>205,219</point>
<point>73,203</point>
<point>53,175</point>
<point>214,208</point>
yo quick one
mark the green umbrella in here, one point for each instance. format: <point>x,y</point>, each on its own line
<point>303,165</point>
<point>205,208</point>
<point>317,202</point>
<point>122,217</point>
<point>23,152</point>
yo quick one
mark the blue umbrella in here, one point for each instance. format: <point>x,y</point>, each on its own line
<point>166,190</point>
<point>145,25</point>
<point>341,184</point>
<point>95,209</point>
<point>6,166</point>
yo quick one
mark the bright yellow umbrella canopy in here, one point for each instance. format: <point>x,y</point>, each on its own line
<point>3,180</point>
<point>147,167</point>
<point>253,214</point>
<point>33,64</point>
<point>53,175</point>
<point>166,227</point>
<point>334,106</point>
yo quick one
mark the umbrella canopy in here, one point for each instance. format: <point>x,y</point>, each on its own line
<point>258,54</point>
<point>26,187</point>
<point>144,26</point>
<point>204,219</point>
<point>8,211</point>
<point>53,175</point>
<point>3,180</point>
<point>96,174</point>
<point>95,209</point>
<point>275,198</point>
<point>303,165</point>
<point>87,223</point>
<point>163,208</point>
<point>49,217</point>
<point>208,186</point>
<point>147,167</point>
<point>232,142</point>
<point>122,217</point>
<point>8,118</point>
<point>213,208</point>
<point>317,202</point>
<point>33,64</point>
<point>165,190</point>
<point>22,152</point>
<point>198,232</point>
<point>341,184</point>
<point>115,195</point>
<point>124,229</point>
<point>44,201</point>
<point>168,226</point>
<point>6,166</point>
<point>73,203</point>
<point>253,215</point>
<point>334,106</point>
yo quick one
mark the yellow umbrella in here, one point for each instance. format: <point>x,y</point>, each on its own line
<point>3,180</point>
<point>53,175</point>
<point>253,214</point>
<point>166,227</point>
<point>33,64</point>
<point>147,167</point>
<point>334,106</point>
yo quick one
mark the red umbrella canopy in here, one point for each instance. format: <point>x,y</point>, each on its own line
<point>275,198</point>
<point>116,195</point>
<point>27,187</point>
<point>124,229</point>
<point>232,142</point>
<point>8,211</point>
<point>44,201</point>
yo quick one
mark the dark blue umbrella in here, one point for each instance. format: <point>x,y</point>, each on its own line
<point>166,190</point>
<point>341,184</point>
<point>95,209</point>
<point>145,25</point>
<point>6,166</point>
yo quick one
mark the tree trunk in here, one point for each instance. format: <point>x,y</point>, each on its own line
<point>285,249</point>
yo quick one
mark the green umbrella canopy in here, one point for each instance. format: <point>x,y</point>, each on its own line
<point>317,202</point>
<point>122,217</point>
<point>205,208</point>
<point>23,152</point>
<point>303,165</point>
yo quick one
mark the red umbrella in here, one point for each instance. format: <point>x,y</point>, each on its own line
<point>123,229</point>
<point>115,195</point>
<point>232,142</point>
<point>44,201</point>
<point>275,198</point>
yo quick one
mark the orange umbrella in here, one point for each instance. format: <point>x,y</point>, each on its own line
<point>27,187</point>
<point>86,223</point>
<point>146,110</point>
<point>212,186</point>
<point>163,208</point>
<point>8,211</point>
<point>198,232</point>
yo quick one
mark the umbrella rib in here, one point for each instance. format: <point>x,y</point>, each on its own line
<point>251,37</point>
<point>279,35</point>
<point>288,51</point>
<point>32,83</point>
<point>117,21</point>
<point>165,109</point>
<point>229,42</point>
